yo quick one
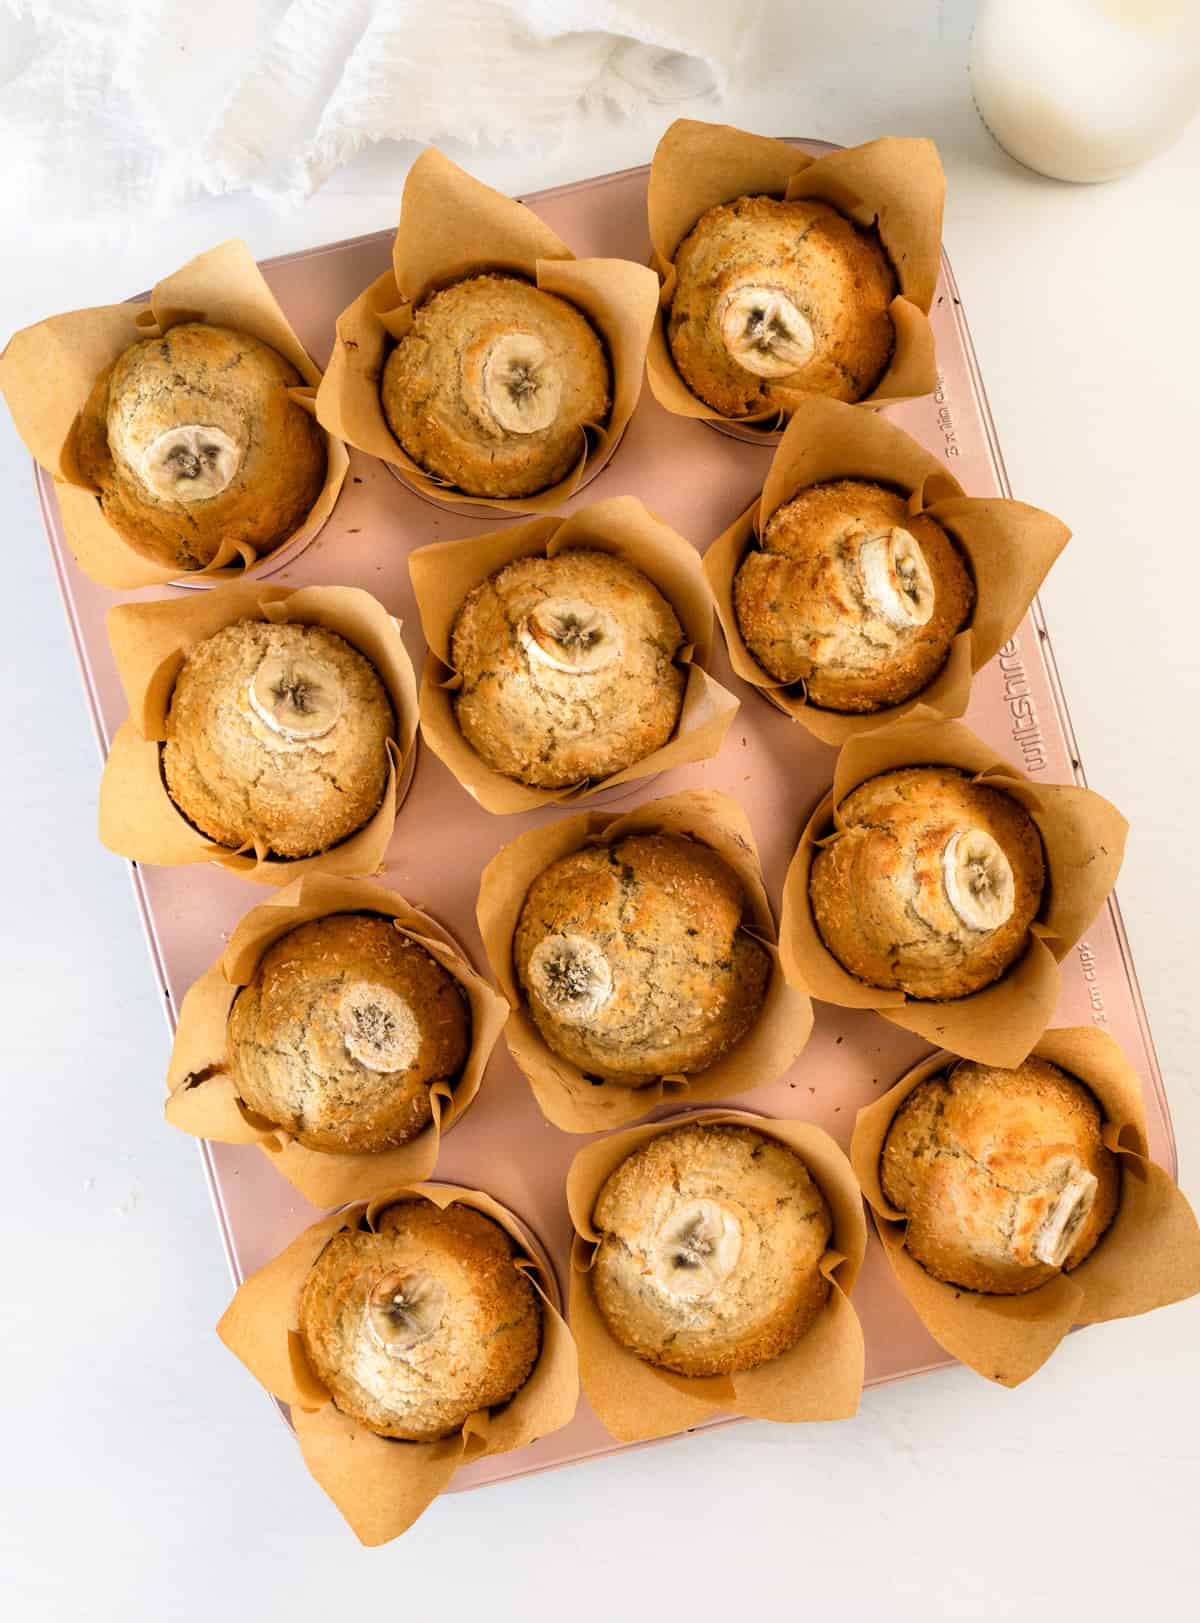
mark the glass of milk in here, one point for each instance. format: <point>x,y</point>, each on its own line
<point>1086,89</point>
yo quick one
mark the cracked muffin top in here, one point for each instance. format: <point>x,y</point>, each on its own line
<point>777,300</point>
<point>422,1323</point>
<point>1002,1175</point>
<point>931,884</point>
<point>634,959</point>
<point>494,384</point>
<point>276,738</point>
<point>343,1030</point>
<point>849,594</point>
<point>567,668</point>
<point>711,1249</point>
<point>192,440</point>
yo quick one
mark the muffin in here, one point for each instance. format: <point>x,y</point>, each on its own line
<point>420,1324</point>
<point>344,1029</point>
<point>711,1243</point>
<point>492,388</point>
<point>776,300</point>
<point>932,884</point>
<point>634,959</point>
<point>567,668</point>
<point>276,738</point>
<point>192,440</point>
<point>1002,1175</point>
<point>849,594</point>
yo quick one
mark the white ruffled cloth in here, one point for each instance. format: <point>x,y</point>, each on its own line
<point>107,103</point>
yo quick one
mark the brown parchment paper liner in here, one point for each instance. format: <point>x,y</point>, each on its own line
<point>820,1378</point>
<point>1083,837</point>
<point>565,1095</point>
<point>1149,1256</point>
<point>48,371</point>
<point>444,573</point>
<point>150,641</point>
<point>895,183</point>
<point>203,1100</point>
<point>1009,546</point>
<point>381,1485</point>
<point>453,226</point>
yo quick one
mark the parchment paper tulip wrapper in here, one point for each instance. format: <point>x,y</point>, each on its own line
<point>565,1095</point>
<point>150,641</point>
<point>820,1378</point>
<point>48,371</point>
<point>202,1098</point>
<point>451,227</point>
<point>1150,1255</point>
<point>380,1485</point>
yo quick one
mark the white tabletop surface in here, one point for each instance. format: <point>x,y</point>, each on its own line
<point>146,1477</point>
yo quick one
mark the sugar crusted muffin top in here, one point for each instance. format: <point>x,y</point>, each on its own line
<point>568,668</point>
<point>492,389</point>
<point>712,1241</point>
<point>776,300</point>
<point>1002,1175</point>
<point>854,597</point>
<point>192,440</point>
<point>634,958</point>
<point>343,1030</point>
<point>420,1324</point>
<point>276,738</point>
<point>931,885</point>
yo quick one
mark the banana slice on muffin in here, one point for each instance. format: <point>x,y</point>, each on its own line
<point>343,1031</point>
<point>276,738</point>
<point>567,668</point>
<point>1002,1175</point>
<point>711,1242</point>
<point>423,1322</point>
<point>775,300</point>
<point>192,440</point>
<point>853,596</point>
<point>634,959</point>
<point>931,885</point>
<point>494,386</point>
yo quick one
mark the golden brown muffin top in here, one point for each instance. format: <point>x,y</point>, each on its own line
<point>777,300</point>
<point>276,735</point>
<point>343,1030</point>
<point>192,440</point>
<point>634,959</point>
<point>492,388</point>
<point>417,1326</point>
<point>712,1240</point>
<point>1002,1175</point>
<point>851,595</point>
<point>933,884</point>
<point>568,668</point>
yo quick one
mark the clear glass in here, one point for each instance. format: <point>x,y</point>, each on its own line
<point>1086,90</point>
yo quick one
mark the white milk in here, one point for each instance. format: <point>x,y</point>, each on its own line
<point>1086,89</point>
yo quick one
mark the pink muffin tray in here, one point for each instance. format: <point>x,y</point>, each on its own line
<point>698,481</point>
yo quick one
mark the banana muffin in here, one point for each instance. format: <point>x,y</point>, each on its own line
<point>192,440</point>
<point>711,1244</point>
<point>634,959</point>
<point>494,385</point>
<point>931,886</point>
<point>567,668</point>
<point>420,1324</point>
<point>849,594</point>
<point>276,738</point>
<point>1002,1175</point>
<point>776,300</point>
<point>344,1029</point>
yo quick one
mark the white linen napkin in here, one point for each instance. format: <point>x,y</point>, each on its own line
<point>115,102</point>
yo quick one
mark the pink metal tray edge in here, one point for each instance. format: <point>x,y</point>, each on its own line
<point>70,582</point>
